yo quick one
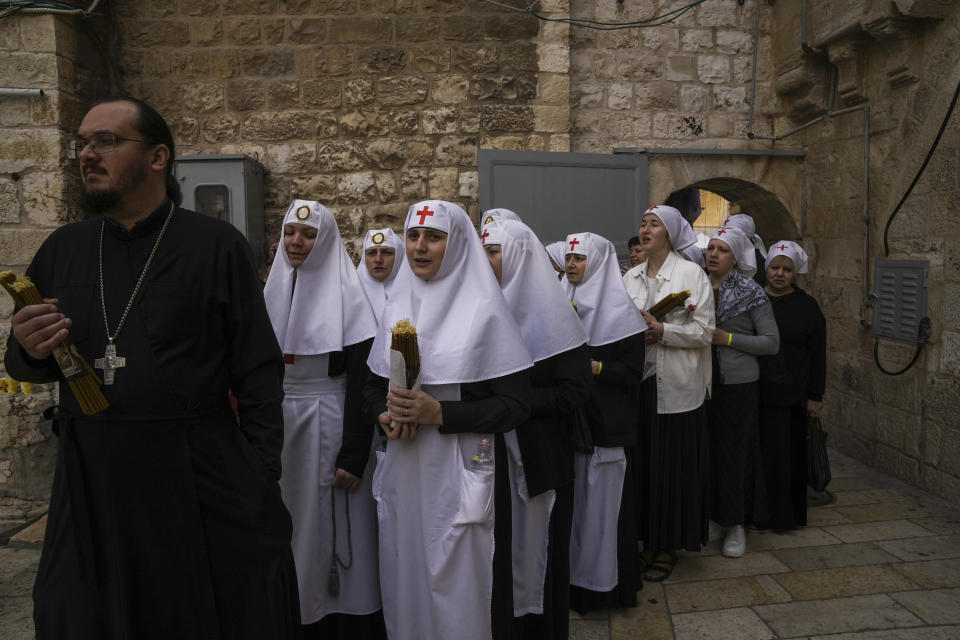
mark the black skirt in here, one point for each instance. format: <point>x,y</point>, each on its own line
<point>732,414</point>
<point>624,595</point>
<point>673,478</point>
<point>783,455</point>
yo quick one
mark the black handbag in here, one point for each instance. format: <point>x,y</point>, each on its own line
<point>818,463</point>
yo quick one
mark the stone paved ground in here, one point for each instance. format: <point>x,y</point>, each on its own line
<point>882,563</point>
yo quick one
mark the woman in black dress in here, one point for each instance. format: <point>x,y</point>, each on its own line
<point>604,561</point>
<point>540,451</point>
<point>791,387</point>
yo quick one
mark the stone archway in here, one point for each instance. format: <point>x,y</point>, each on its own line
<point>772,218</point>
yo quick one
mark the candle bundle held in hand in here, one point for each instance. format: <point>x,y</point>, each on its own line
<point>404,340</point>
<point>668,304</point>
<point>82,379</point>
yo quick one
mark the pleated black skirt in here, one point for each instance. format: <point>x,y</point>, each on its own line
<point>673,477</point>
<point>624,595</point>
<point>732,414</point>
<point>783,455</point>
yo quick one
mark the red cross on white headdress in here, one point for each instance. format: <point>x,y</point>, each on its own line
<point>573,245</point>
<point>721,232</point>
<point>423,213</point>
<point>484,235</point>
<point>783,247</point>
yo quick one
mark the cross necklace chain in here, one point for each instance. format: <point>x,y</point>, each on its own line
<point>110,361</point>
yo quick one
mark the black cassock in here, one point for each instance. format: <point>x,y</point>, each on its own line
<point>165,517</point>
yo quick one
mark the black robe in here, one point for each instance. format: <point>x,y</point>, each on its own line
<point>488,406</point>
<point>165,516</point>
<point>797,373</point>
<point>561,385</point>
<point>613,414</point>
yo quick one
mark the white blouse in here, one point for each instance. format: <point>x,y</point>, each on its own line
<point>682,357</point>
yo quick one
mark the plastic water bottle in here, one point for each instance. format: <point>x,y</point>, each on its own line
<point>483,461</point>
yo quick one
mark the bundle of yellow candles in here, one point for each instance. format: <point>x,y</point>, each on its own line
<point>78,373</point>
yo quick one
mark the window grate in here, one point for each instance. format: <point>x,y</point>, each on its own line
<point>900,299</point>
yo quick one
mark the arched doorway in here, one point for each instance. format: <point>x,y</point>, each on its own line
<point>772,219</point>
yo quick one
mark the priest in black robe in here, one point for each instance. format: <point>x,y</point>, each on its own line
<point>165,516</point>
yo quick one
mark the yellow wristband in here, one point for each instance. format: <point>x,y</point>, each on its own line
<point>729,339</point>
<point>599,367</point>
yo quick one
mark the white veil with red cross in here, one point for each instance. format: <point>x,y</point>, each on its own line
<point>602,302</point>
<point>465,329</point>
<point>546,318</point>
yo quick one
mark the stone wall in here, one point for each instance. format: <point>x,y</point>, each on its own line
<point>683,83</point>
<point>901,60</point>
<point>37,183</point>
<point>364,105</point>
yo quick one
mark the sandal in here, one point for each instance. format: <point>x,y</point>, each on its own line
<point>661,567</point>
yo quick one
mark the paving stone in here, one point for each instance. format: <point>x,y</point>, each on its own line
<point>860,482</point>
<point>943,525</point>
<point>686,597</point>
<point>916,549</point>
<point>871,531</point>
<point>752,564</point>
<point>18,567</point>
<point>823,516</point>
<point>16,618</point>
<point>859,613</point>
<point>589,629</point>
<point>32,535</point>
<point>649,620</point>
<point>852,498</point>
<point>924,633</point>
<point>892,511</point>
<point>935,607</point>
<point>727,623</point>
<point>932,574</point>
<point>805,537</point>
<point>832,557</point>
<point>848,581</point>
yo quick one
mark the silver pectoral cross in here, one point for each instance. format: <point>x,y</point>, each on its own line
<point>110,362</point>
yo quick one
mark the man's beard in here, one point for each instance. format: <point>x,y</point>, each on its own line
<point>97,202</point>
<point>104,200</point>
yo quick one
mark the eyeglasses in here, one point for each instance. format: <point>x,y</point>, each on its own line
<point>100,143</point>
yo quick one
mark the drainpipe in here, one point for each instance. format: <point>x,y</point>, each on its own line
<point>12,92</point>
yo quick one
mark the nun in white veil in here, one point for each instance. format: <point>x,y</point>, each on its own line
<point>745,223</point>
<point>380,263</point>
<point>440,575</point>
<point>325,327</point>
<point>603,546</point>
<point>540,451</point>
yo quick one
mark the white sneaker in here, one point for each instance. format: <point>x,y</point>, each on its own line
<point>716,532</point>
<point>735,544</point>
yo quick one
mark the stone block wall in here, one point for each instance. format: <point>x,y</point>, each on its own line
<point>364,105</point>
<point>684,83</point>
<point>905,67</point>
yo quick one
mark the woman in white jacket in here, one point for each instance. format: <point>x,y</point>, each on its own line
<point>674,475</point>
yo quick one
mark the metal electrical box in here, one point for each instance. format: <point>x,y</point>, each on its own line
<point>227,187</point>
<point>900,299</point>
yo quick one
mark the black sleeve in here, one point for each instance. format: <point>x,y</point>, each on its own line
<point>817,350</point>
<point>374,398</point>
<point>256,362</point>
<point>571,386</point>
<point>16,361</point>
<point>357,432</point>
<point>626,369</point>
<point>505,406</point>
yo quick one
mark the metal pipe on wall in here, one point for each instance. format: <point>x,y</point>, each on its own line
<point>13,92</point>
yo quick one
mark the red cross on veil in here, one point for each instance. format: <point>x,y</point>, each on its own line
<point>782,247</point>
<point>721,232</point>
<point>573,244</point>
<point>484,235</point>
<point>423,213</point>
